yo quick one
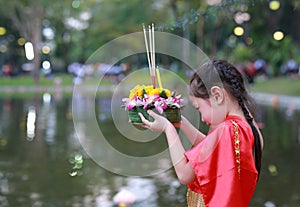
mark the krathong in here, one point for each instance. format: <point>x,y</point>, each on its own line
<point>150,97</point>
<point>143,98</point>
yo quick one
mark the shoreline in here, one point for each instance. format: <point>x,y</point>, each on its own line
<point>274,100</point>
<point>277,100</point>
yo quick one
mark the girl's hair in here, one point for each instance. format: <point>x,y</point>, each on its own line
<point>223,74</point>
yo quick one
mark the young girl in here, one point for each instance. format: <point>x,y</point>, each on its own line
<point>222,167</point>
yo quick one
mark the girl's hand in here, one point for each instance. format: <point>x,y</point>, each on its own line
<point>159,124</point>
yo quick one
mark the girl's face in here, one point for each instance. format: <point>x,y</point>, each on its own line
<point>204,107</point>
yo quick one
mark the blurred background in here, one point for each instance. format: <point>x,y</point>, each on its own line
<point>59,33</point>
<point>43,49</point>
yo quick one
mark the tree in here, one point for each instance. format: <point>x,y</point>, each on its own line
<point>27,17</point>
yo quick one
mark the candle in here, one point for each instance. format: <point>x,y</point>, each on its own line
<point>158,78</point>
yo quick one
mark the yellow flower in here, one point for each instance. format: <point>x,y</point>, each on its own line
<point>138,91</point>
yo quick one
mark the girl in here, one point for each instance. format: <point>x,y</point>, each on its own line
<point>222,167</point>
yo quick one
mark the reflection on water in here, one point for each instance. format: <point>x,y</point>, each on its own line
<point>42,163</point>
<point>31,118</point>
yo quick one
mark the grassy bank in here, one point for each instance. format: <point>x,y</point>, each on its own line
<point>278,85</point>
<point>63,79</point>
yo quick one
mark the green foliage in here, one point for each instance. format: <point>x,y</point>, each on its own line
<point>209,26</point>
<point>242,53</point>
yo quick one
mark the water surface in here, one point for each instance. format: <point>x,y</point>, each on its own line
<point>43,163</point>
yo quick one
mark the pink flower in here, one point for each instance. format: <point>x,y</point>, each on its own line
<point>129,104</point>
<point>149,100</point>
<point>154,100</point>
<point>160,106</point>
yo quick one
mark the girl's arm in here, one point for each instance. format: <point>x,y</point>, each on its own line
<point>194,135</point>
<point>183,169</point>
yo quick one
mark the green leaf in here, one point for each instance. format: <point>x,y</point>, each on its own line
<point>144,92</point>
<point>163,94</point>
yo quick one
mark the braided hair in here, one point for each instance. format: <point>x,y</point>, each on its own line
<point>223,74</point>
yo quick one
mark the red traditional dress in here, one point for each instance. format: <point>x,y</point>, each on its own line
<point>224,166</point>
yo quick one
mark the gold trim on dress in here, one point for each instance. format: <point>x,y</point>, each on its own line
<point>237,146</point>
<point>194,199</point>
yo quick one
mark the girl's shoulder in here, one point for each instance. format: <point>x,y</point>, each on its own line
<point>228,122</point>
<point>240,126</point>
<point>233,121</point>
<point>227,128</point>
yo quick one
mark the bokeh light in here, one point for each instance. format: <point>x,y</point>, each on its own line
<point>2,31</point>
<point>241,17</point>
<point>274,5</point>
<point>46,98</point>
<point>213,2</point>
<point>249,41</point>
<point>76,4</point>
<point>21,41</point>
<point>46,64</point>
<point>278,35</point>
<point>238,31</point>
<point>46,49</point>
<point>3,48</point>
<point>29,51</point>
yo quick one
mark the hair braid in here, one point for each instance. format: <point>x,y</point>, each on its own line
<point>237,89</point>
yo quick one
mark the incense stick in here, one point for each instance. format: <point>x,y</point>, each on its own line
<point>153,50</point>
<point>147,49</point>
<point>151,53</point>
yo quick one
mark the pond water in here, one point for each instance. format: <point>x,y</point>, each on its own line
<point>44,163</point>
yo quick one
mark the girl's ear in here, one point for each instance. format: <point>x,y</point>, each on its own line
<point>217,94</point>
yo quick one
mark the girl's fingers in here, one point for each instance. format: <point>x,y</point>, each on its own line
<point>152,113</point>
<point>144,120</point>
<point>158,124</point>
